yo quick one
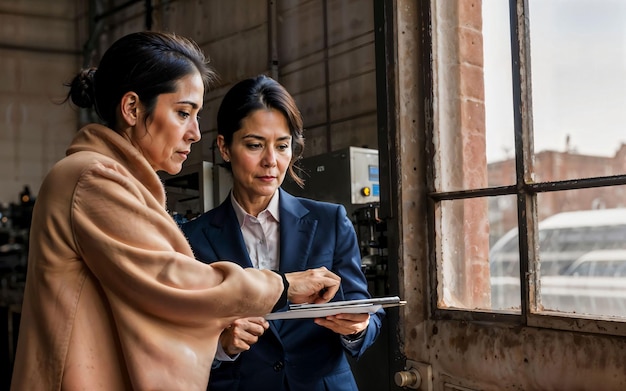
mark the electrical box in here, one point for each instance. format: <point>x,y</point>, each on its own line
<point>348,176</point>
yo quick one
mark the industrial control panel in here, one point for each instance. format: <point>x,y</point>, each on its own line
<point>349,176</point>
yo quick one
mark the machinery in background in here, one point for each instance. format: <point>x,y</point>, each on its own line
<point>15,222</point>
<point>198,188</point>
<point>371,230</point>
<point>350,177</point>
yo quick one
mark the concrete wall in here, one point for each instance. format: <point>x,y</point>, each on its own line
<point>34,64</point>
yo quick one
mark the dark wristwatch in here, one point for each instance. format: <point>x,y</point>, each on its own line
<point>355,336</point>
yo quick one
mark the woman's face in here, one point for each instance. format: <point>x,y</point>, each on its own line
<point>167,138</point>
<point>259,155</point>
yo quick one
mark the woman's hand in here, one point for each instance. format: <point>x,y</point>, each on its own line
<point>242,333</point>
<point>312,286</point>
<point>345,324</point>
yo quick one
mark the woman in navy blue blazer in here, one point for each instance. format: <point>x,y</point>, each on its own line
<point>260,137</point>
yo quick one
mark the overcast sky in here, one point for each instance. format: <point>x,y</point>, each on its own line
<point>578,50</point>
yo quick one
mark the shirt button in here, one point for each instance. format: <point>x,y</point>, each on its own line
<point>278,365</point>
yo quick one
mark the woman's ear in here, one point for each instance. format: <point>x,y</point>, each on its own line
<point>221,145</point>
<point>129,108</point>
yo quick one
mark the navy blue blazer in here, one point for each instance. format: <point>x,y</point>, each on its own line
<point>294,355</point>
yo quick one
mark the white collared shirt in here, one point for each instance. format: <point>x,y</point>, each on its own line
<point>262,238</point>
<point>261,234</point>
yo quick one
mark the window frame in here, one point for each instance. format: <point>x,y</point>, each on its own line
<point>525,190</point>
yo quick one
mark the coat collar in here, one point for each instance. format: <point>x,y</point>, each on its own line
<point>105,141</point>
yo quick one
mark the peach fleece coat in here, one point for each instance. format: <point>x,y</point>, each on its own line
<point>114,299</point>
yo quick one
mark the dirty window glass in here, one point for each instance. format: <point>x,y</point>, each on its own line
<point>561,164</point>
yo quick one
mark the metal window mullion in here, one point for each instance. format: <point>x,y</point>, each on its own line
<point>531,187</point>
<point>523,128</point>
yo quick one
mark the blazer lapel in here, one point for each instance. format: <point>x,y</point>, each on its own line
<point>224,234</point>
<point>296,233</point>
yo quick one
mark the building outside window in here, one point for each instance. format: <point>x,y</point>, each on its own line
<point>529,161</point>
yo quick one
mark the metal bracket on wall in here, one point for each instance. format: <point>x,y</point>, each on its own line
<point>416,376</point>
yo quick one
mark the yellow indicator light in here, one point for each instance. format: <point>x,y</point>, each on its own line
<point>366,191</point>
